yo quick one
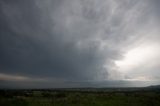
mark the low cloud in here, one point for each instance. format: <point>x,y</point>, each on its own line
<point>74,40</point>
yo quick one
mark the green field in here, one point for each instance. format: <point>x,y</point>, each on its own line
<point>78,98</point>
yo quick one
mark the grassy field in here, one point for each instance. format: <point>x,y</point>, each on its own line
<point>78,98</point>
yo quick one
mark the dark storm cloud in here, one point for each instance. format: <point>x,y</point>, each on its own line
<point>30,44</point>
<point>71,40</point>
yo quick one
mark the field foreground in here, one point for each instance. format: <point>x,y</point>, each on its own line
<point>79,98</point>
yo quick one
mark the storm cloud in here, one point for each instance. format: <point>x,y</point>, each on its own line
<point>78,40</point>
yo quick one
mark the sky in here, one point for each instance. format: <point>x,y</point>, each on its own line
<point>79,43</point>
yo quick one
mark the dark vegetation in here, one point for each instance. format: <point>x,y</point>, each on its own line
<point>81,97</point>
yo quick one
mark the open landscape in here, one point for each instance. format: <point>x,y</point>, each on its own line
<point>79,52</point>
<point>81,97</point>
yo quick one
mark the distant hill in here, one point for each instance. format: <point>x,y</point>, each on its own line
<point>154,86</point>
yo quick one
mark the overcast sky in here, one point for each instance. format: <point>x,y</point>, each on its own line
<point>79,43</point>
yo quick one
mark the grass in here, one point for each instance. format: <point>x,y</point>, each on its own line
<point>79,98</point>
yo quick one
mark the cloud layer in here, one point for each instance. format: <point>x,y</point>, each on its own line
<point>78,40</point>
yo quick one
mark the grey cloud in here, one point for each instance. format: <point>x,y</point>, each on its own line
<point>70,39</point>
<point>31,46</point>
